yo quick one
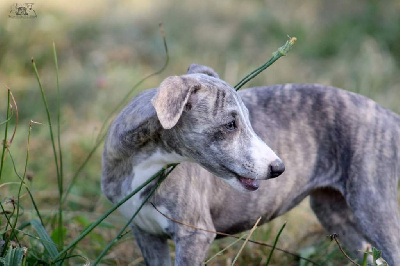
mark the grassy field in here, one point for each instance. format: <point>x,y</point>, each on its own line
<point>104,48</point>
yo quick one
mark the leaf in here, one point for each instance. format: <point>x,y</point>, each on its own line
<point>85,222</point>
<point>14,257</point>
<point>55,235</point>
<point>82,220</point>
<point>376,254</point>
<point>48,244</point>
<point>106,225</point>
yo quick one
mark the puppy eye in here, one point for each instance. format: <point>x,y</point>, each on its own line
<point>231,125</point>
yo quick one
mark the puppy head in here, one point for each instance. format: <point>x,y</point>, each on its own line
<point>208,123</point>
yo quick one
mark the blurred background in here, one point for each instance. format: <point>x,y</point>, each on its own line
<point>105,47</point>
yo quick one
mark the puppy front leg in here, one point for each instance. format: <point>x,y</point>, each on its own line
<point>192,247</point>
<point>155,250</point>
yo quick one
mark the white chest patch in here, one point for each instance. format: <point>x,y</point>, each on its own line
<point>148,219</point>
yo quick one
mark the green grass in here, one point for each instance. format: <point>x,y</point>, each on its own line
<point>102,54</point>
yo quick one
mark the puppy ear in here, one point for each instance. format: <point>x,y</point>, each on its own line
<point>171,99</point>
<point>194,68</point>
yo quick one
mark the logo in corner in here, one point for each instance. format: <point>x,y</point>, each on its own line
<point>22,11</point>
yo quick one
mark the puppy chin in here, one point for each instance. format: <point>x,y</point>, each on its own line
<point>235,183</point>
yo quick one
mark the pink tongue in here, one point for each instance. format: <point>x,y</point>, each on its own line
<point>248,183</point>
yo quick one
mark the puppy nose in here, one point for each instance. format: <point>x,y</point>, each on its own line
<point>276,168</point>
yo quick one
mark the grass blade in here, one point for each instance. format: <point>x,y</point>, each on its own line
<point>275,242</point>
<point>8,221</point>
<point>48,244</point>
<point>5,142</point>
<point>245,242</point>
<point>112,209</point>
<point>365,257</point>
<point>48,119</point>
<point>22,179</point>
<point>2,123</point>
<point>16,118</point>
<point>55,155</point>
<point>120,233</point>
<point>14,257</point>
<point>61,172</point>
<point>223,250</point>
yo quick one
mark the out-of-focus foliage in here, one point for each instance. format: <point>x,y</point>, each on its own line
<point>104,47</point>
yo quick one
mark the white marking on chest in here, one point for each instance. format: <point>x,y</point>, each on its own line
<point>148,219</point>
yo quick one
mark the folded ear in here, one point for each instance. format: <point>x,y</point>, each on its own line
<point>194,68</point>
<point>171,99</point>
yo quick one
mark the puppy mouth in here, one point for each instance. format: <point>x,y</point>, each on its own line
<point>249,183</point>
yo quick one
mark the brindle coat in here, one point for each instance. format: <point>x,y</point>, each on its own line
<point>340,148</point>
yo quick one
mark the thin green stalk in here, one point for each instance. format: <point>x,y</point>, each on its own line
<point>22,180</point>
<point>2,123</point>
<point>61,178</point>
<point>58,117</point>
<point>5,142</point>
<point>32,236</point>
<point>6,239</point>
<point>365,258</point>
<point>104,216</point>
<point>48,120</point>
<point>5,214</point>
<point>282,51</point>
<point>100,137</point>
<point>121,232</point>
<point>27,189</point>
<point>275,242</point>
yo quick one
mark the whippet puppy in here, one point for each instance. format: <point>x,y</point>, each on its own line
<point>340,148</point>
